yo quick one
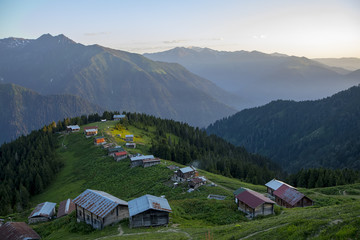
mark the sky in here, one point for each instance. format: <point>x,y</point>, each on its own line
<point>310,28</point>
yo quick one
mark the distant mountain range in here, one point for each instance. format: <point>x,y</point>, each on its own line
<point>350,64</point>
<point>23,110</point>
<point>259,78</point>
<point>115,80</point>
<point>308,134</point>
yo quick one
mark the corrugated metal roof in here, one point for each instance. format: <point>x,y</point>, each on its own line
<point>137,158</point>
<point>129,136</point>
<point>43,210</point>
<point>73,127</point>
<point>91,130</point>
<point>275,184</point>
<point>253,199</point>
<point>120,153</point>
<point>119,116</point>
<point>98,202</point>
<point>186,169</point>
<point>146,202</point>
<point>17,231</point>
<point>65,208</point>
<point>239,190</point>
<point>98,137</point>
<point>288,194</point>
<point>151,160</point>
<point>91,127</point>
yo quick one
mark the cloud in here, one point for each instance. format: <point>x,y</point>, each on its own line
<point>96,34</point>
<point>176,41</point>
<point>262,36</point>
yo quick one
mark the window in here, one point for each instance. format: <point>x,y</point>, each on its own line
<point>79,212</point>
<point>87,217</point>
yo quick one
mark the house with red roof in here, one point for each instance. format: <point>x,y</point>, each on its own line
<point>289,197</point>
<point>120,155</point>
<point>253,203</point>
<point>65,207</point>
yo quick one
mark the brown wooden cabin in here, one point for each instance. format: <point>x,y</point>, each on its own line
<point>100,209</point>
<point>17,231</point>
<point>149,210</point>
<point>183,174</point>
<point>99,140</point>
<point>289,197</point>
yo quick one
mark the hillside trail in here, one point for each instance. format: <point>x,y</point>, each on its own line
<point>268,229</point>
<point>122,234</point>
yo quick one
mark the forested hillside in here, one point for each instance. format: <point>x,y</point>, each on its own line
<point>23,110</point>
<point>309,134</point>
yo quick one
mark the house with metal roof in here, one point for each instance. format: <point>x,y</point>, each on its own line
<point>99,141</point>
<point>183,174</point>
<point>120,155</point>
<point>273,185</point>
<point>149,210</point>
<point>118,117</point>
<point>73,128</point>
<point>290,197</point>
<point>100,209</point>
<point>129,138</point>
<point>17,231</point>
<point>90,131</point>
<point>112,151</point>
<point>138,160</point>
<point>65,207</point>
<point>253,203</point>
<point>130,145</point>
<point>42,213</point>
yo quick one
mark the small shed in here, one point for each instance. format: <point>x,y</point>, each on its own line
<point>150,162</point>
<point>120,155</point>
<point>273,185</point>
<point>17,231</point>
<point>129,138</point>
<point>254,203</point>
<point>289,197</point>
<point>100,209</point>
<point>65,207</point>
<point>185,173</point>
<point>138,160</point>
<point>42,213</point>
<point>99,141</point>
<point>149,210</point>
<point>73,128</point>
<point>118,117</point>
<point>130,145</point>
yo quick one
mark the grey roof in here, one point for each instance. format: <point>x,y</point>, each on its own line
<point>43,210</point>
<point>130,135</point>
<point>98,202</point>
<point>146,202</point>
<point>186,169</point>
<point>138,158</point>
<point>73,127</point>
<point>119,116</point>
<point>275,184</point>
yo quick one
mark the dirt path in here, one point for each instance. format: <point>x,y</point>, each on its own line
<point>253,234</point>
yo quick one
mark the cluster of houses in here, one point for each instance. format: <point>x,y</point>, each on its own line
<point>100,209</point>
<point>189,175</point>
<point>253,203</point>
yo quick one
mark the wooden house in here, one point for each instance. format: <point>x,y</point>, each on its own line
<point>17,231</point>
<point>120,155</point>
<point>42,213</point>
<point>289,197</point>
<point>65,207</point>
<point>90,131</point>
<point>254,203</point>
<point>73,128</point>
<point>273,185</point>
<point>149,210</point>
<point>99,209</point>
<point>150,162</point>
<point>118,117</point>
<point>129,138</point>
<point>107,145</point>
<point>196,182</point>
<point>183,174</point>
<point>130,145</point>
<point>99,141</point>
<point>112,151</point>
<point>138,160</point>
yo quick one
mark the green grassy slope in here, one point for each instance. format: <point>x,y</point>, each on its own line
<point>194,216</point>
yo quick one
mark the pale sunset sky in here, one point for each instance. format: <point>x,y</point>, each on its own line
<point>310,28</point>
